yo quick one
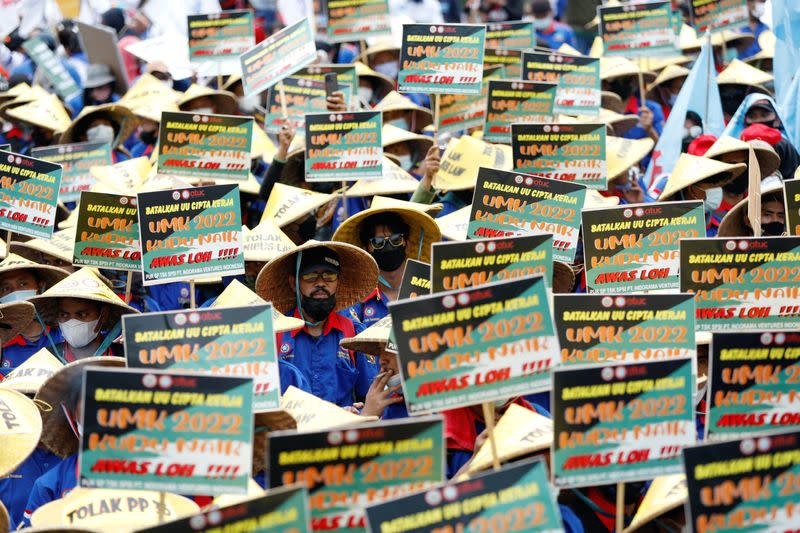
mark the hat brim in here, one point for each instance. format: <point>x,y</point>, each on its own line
<point>224,102</point>
<point>17,446</point>
<point>119,113</point>
<point>563,278</point>
<point>49,274</point>
<point>47,307</point>
<point>15,317</point>
<point>733,225</point>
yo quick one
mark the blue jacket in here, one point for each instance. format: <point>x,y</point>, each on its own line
<point>556,35</point>
<point>373,308</point>
<point>18,350</point>
<point>52,485</point>
<point>15,489</point>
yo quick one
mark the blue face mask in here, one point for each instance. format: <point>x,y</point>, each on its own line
<point>17,296</point>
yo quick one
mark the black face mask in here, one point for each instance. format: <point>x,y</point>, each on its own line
<point>308,228</point>
<point>148,137</point>
<point>622,87</point>
<point>323,186</point>
<point>317,309</point>
<point>773,229</point>
<point>389,258</point>
<point>737,186</point>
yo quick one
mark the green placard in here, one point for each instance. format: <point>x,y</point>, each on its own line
<point>220,36</point>
<point>75,161</point>
<point>743,283</point>
<point>508,203</point>
<point>792,198</point>
<point>345,470</point>
<point>631,328</point>
<point>641,29</point>
<point>475,345</point>
<point>303,96</point>
<point>566,152</point>
<point>511,35</point>
<point>510,60</point>
<point>460,265</point>
<point>107,232</point>
<point>183,433</point>
<point>354,20</point>
<point>52,68</point>
<point>717,15</point>
<point>460,112</point>
<point>344,146</point>
<point>516,498</point>
<point>620,423</point>
<point>578,79</point>
<point>205,146</point>
<point>234,341</point>
<point>189,234</point>
<point>442,58</point>
<point>636,247</point>
<point>346,75</point>
<point>28,194</point>
<point>521,102</point>
<point>416,280</point>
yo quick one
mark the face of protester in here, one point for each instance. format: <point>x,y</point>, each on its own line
<point>772,211</point>
<point>19,280</point>
<point>400,118</point>
<point>403,152</point>
<point>201,104</point>
<point>386,63</point>
<point>312,285</point>
<point>80,309</point>
<point>758,115</point>
<point>99,130</point>
<point>388,361</point>
<point>101,94</point>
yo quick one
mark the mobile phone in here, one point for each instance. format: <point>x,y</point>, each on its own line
<point>331,84</point>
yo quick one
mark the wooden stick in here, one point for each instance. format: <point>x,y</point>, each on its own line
<point>436,120</point>
<point>641,88</point>
<point>162,496</point>
<point>620,507</point>
<point>192,302</point>
<point>724,48</point>
<point>282,95</point>
<point>754,192</point>
<point>488,417</point>
<point>344,201</point>
<point>709,74</point>
<point>8,241</point>
<point>128,286</point>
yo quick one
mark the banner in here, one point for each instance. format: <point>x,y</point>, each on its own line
<point>516,498</point>
<point>183,433</point>
<point>520,102</point>
<point>632,328</point>
<point>511,35</point>
<point>566,152</point>
<point>717,15</point>
<point>75,161</point>
<point>344,146</point>
<point>28,194</point>
<point>52,68</point>
<point>354,20</point>
<point>107,232</point>
<point>642,29</point>
<point>752,385</point>
<point>416,280</point>
<point>636,247</point>
<point>743,283</point>
<point>346,76</point>
<point>509,60</point>
<point>476,345</point>
<point>461,112</point>
<point>205,146</point>
<point>744,485</point>
<point>578,80</point>
<point>191,233</point>
<point>345,470</point>
<point>220,36</point>
<point>507,204</point>
<point>461,265</point>
<point>303,96</point>
<point>279,55</point>
<point>441,58</point>
<point>233,341</point>
<point>792,198</point>
<point>620,423</point>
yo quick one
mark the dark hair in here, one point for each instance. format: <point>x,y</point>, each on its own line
<point>68,36</point>
<point>393,221</point>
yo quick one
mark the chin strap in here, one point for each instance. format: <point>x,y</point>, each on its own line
<point>421,240</point>
<point>56,351</point>
<point>383,282</point>
<point>110,337</point>
<point>297,290</point>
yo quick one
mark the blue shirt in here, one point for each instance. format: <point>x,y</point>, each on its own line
<point>638,132</point>
<point>291,376</point>
<point>18,350</point>
<point>15,489</point>
<point>168,296</point>
<point>52,485</point>
<point>371,310</point>
<point>556,35</point>
<point>754,48</point>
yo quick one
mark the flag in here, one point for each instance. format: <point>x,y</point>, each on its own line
<point>737,125</point>
<point>786,27</point>
<point>789,109</point>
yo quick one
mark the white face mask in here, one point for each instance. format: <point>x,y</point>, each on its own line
<point>713,198</point>
<point>365,94</point>
<point>101,133</point>
<point>405,162</point>
<point>401,123</point>
<point>17,296</point>
<point>542,24</point>
<point>390,69</point>
<point>78,333</point>
<point>394,381</point>
<point>693,132</point>
<point>203,110</point>
<point>758,10</point>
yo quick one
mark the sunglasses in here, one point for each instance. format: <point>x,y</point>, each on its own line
<point>326,276</point>
<point>395,239</point>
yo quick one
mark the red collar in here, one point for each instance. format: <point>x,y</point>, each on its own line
<point>334,321</point>
<point>375,294</point>
<point>632,107</point>
<point>19,340</point>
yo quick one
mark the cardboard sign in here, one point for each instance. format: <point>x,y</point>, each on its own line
<point>508,203</point>
<point>279,55</point>
<point>636,247</point>
<point>75,161</point>
<point>717,15</point>
<point>511,35</point>
<point>578,80</point>
<point>191,233</point>
<point>566,152</point>
<point>744,485</point>
<point>344,146</point>
<point>642,29</point>
<point>792,199</point>
<point>53,70</point>
<point>303,96</point>
<point>442,58</point>
<point>183,433</point>
<point>346,76</point>
<point>517,498</point>
<point>475,345</point>
<point>509,60</point>
<point>354,20</point>
<point>107,232</point>
<point>220,36</point>
<point>461,265</point>
<point>233,341</point>
<point>631,328</point>
<point>752,383</point>
<point>743,284</point>
<point>619,423</point>
<point>28,194</point>
<point>460,112</point>
<point>519,102</point>
<point>205,146</point>
<point>101,46</point>
<point>416,280</point>
<point>345,470</point>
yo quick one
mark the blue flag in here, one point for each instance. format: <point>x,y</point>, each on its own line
<point>699,94</point>
<point>786,27</point>
<point>736,126</point>
<point>789,109</point>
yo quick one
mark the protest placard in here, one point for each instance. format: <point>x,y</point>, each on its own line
<point>345,470</point>
<point>75,161</point>
<point>638,29</point>
<point>509,60</point>
<point>231,341</point>
<point>354,20</point>
<point>279,55</point>
<point>442,58</point>
<point>460,265</point>
<point>301,96</point>
<point>460,112</point>
<point>744,485</point>
<point>717,15</point>
<point>620,423</point>
<point>519,35</point>
<point>517,498</point>
<point>635,327</point>
<point>28,194</point>
<point>205,146</point>
<point>346,76</point>
<point>753,383</point>
<point>566,152</point>
<point>52,68</point>
<point>416,280</point>
<point>183,433</point>
<point>743,283</point>
<point>516,102</point>
<point>462,158</point>
<point>107,232</point>
<point>474,345</point>
<point>636,247</point>
<point>508,203</point>
<point>344,146</point>
<point>792,198</point>
<point>100,44</point>
<point>190,233</point>
<point>578,79</point>
<point>220,36</point>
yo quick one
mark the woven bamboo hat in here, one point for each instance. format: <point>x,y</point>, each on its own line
<point>29,376</point>
<point>692,170</point>
<point>236,295</point>
<point>14,317</point>
<point>740,73</point>
<point>119,114</point>
<point>371,341</point>
<point>612,101</point>
<point>671,72</point>
<point>393,135</point>
<point>57,248</point>
<point>664,494</point>
<point>49,274</point>
<point>46,112</point>
<point>733,223</point>
<point>612,68</point>
<point>21,431</point>
<point>395,101</point>
<point>384,84</point>
<point>622,154</point>
<point>224,101</point>
<point>768,159</point>
<point>395,180</point>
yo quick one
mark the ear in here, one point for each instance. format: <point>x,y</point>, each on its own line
<point>103,318</point>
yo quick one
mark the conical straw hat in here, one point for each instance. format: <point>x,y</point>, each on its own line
<point>768,159</point>
<point>265,242</point>
<point>237,295</point>
<point>395,180</point>
<point>371,341</point>
<point>611,101</point>
<point>50,275</point>
<point>387,202</point>
<point>733,225</point>
<point>767,43</point>
<point>21,432</point>
<point>315,414</point>
<point>671,72</point>
<point>393,135</point>
<point>224,101</point>
<point>385,84</point>
<point>287,204</point>
<point>381,44</point>
<point>14,317</point>
<point>395,101</point>
<point>118,113</point>
<point>615,67</point>
<point>148,88</point>
<point>59,247</point>
<point>691,170</point>
<point>46,112</point>
<point>454,225</point>
<point>29,376</point>
<point>664,494</point>
<point>622,154</point>
<point>740,73</point>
